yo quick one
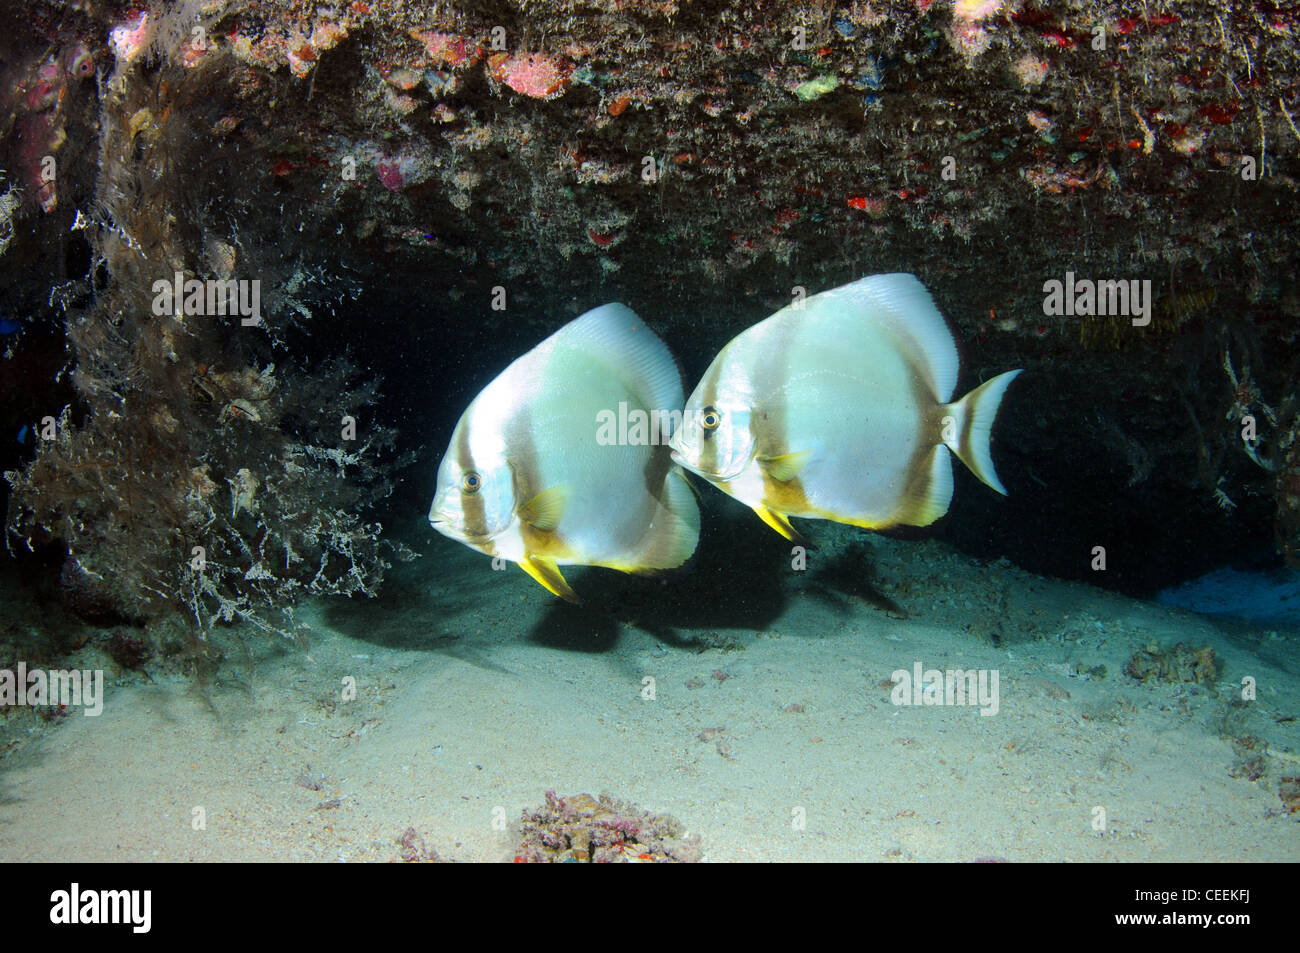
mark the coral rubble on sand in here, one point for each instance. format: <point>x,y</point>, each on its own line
<point>584,829</point>
<point>1182,663</point>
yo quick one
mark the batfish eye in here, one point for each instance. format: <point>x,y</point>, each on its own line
<point>471,482</point>
<point>710,419</point>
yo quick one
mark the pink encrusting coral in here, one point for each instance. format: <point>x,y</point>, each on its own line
<point>446,49</point>
<point>532,74</point>
<point>47,89</point>
<point>127,38</point>
<point>390,173</point>
<point>976,9</point>
<point>400,169</point>
<point>39,103</point>
<point>968,34</point>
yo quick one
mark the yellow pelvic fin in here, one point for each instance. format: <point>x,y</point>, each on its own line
<point>543,512</point>
<point>786,466</point>
<point>547,574</point>
<point>782,525</point>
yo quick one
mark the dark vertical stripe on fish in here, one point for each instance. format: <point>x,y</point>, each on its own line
<point>708,462</point>
<point>916,482</point>
<point>471,504</point>
<point>524,459</point>
<point>769,417</point>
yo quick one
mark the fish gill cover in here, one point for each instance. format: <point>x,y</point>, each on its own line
<point>699,160</point>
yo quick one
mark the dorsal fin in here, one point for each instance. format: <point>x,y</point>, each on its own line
<point>615,336</point>
<point>900,303</point>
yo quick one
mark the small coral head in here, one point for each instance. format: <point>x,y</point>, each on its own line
<point>128,37</point>
<point>79,61</point>
<point>534,74</point>
<point>976,9</point>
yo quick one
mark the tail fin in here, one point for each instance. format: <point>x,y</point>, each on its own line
<point>974,415</point>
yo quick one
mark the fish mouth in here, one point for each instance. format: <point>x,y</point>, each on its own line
<point>446,527</point>
<point>452,529</point>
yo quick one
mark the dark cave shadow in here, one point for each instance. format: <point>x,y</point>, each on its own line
<point>847,578</point>
<point>409,614</point>
<point>389,620</point>
<point>740,579</point>
<point>716,589</point>
<point>1273,643</point>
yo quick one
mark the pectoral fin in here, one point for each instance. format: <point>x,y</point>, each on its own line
<point>782,525</point>
<point>547,574</point>
<point>543,512</point>
<point>786,466</point>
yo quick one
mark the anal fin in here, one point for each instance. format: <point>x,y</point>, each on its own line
<point>549,577</point>
<point>781,524</point>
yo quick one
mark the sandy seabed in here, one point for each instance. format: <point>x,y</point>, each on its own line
<point>769,733</point>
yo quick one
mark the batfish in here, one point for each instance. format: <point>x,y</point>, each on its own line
<point>532,476</point>
<point>839,407</point>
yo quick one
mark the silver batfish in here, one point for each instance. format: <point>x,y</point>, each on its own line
<point>840,408</point>
<point>532,475</point>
